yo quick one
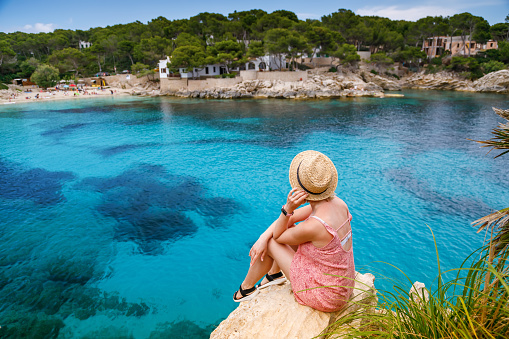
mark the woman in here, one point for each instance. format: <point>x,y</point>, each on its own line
<point>324,256</point>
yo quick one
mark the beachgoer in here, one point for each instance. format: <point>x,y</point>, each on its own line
<point>315,253</point>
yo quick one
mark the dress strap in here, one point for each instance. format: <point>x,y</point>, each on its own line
<point>349,218</point>
<point>320,220</point>
<point>346,237</point>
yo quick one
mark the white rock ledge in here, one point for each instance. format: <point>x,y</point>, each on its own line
<point>275,313</point>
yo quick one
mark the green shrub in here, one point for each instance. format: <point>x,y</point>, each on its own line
<point>392,75</point>
<point>492,66</point>
<point>432,69</point>
<point>381,58</point>
<point>333,69</point>
<point>45,76</point>
<point>374,72</point>
<point>7,78</point>
<point>469,68</point>
<point>225,75</point>
<point>436,61</point>
<point>302,67</point>
<point>146,72</point>
<point>3,86</point>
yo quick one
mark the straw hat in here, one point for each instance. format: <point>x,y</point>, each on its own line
<point>314,173</point>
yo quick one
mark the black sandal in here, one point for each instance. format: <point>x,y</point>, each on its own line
<point>274,279</point>
<point>247,294</point>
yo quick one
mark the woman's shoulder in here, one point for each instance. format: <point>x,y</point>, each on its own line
<point>339,202</point>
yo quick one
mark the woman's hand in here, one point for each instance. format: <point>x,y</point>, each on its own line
<point>295,198</point>
<point>258,250</point>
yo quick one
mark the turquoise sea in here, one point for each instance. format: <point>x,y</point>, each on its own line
<point>133,217</point>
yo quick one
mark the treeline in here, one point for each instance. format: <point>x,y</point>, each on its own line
<point>209,38</point>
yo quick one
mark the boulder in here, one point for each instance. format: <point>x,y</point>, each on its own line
<point>370,86</point>
<point>274,313</point>
<point>493,82</point>
<point>418,292</point>
<point>386,84</point>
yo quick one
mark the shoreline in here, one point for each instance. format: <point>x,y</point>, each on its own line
<point>45,96</point>
<point>318,87</point>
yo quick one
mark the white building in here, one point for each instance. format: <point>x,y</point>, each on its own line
<point>84,44</point>
<point>206,71</point>
<point>267,63</point>
<point>264,63</point>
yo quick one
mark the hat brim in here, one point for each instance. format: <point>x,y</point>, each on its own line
<point>294,182</point>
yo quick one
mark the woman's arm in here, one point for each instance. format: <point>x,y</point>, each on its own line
<point>260,246</point>
<point>299,235</point>
<point>293,201</point>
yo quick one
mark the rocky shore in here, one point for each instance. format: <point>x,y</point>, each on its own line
<point>362,84</point>
<point>317,86</point>
<point>496,82</point>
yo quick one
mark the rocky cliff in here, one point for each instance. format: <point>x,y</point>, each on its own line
<point>274,313</point>
<point>497,82</point>
<point>330,85</point>
<point>385,83</point>
<point>336,85</point>
<point>440,81</point>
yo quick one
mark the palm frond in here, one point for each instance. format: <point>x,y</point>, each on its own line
<point>500,141</point>
<point>499,222</point>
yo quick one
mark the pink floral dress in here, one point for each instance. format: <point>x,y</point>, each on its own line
<point>329,266</point>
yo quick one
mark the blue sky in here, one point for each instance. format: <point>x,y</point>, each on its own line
<point>45,16</point>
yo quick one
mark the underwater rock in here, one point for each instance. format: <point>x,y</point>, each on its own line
<point>30,325</point>
<point>184,329</point>
<point>37,184</point>
<point>150,205</point>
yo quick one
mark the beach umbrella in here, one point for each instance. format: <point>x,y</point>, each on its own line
<point>73,85</point>
<point>66,86</point>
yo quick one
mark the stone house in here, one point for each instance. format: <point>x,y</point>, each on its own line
<point>436,46</point>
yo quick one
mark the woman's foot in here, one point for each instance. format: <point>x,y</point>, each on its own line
<point>272,279</point>
<point>245,294</point>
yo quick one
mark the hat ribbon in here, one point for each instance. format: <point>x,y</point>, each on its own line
<point>304,188</point>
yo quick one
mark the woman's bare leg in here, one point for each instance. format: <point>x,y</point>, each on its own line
<point>282,254</point>
<point>279,254</point>
<point>275,268</point>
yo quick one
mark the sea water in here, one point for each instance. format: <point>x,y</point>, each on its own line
<point>129,217</point>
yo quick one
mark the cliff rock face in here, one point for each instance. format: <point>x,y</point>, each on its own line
<point>274,313</point>
<point>386,84</point>
<point>317,86</point>
<point>441,81</point>
<point>493,82</point>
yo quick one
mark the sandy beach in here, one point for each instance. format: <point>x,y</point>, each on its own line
<point>11,97</point>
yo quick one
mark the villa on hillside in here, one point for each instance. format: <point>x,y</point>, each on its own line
<point>435,46</point>
<point>84,44</point>
<point>263,63</point>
